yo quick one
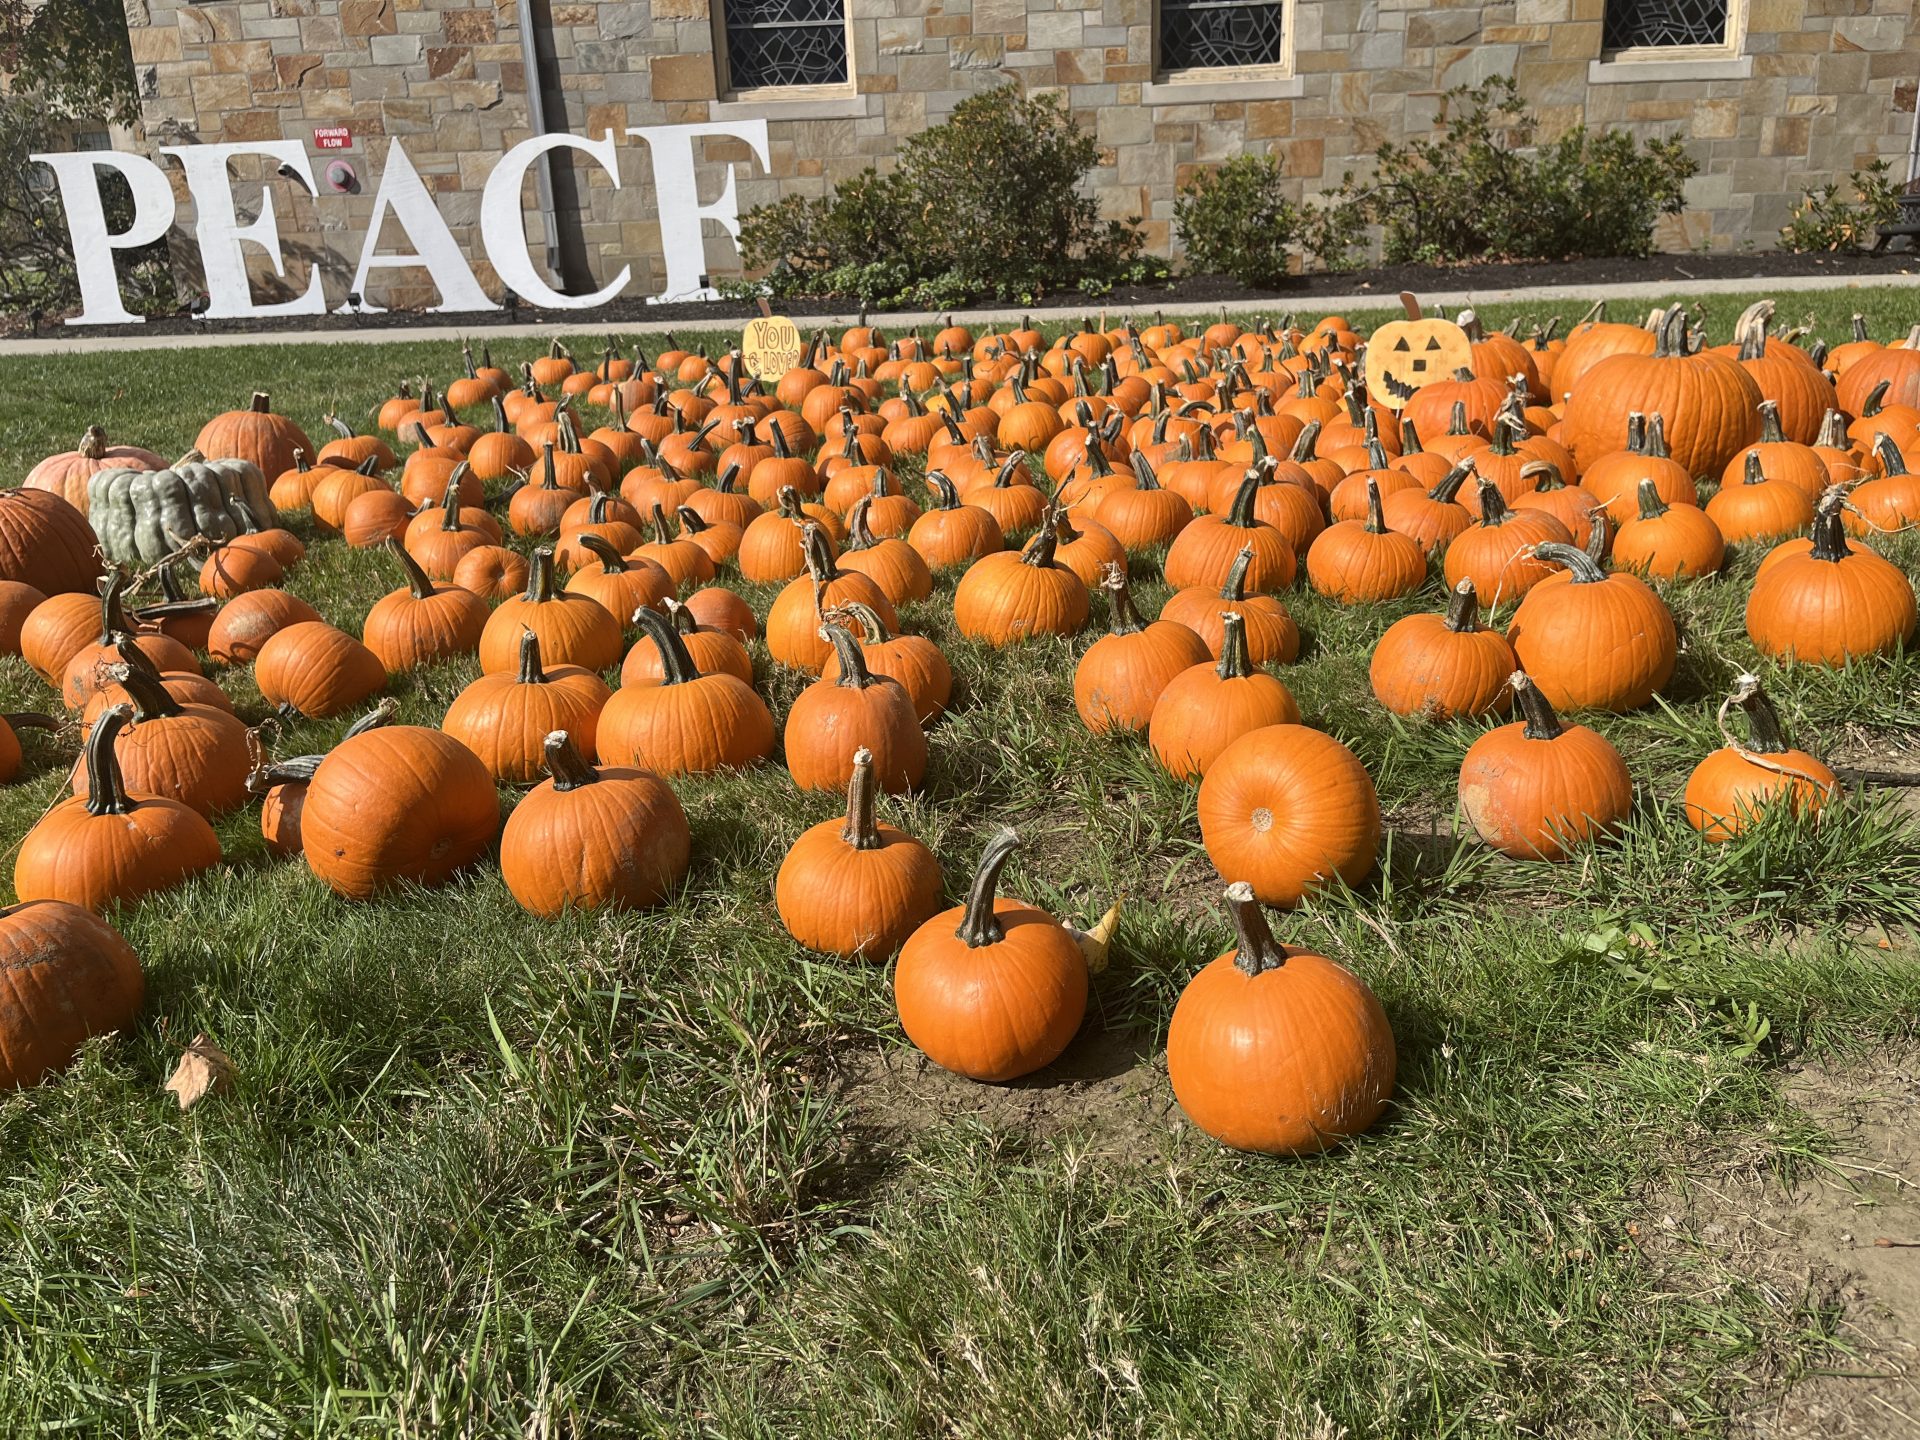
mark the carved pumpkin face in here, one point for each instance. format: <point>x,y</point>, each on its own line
<point>1403,355</point>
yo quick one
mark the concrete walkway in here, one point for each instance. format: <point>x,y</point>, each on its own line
<point>77,341</point>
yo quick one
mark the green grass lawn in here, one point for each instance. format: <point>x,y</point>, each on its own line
<point>667,1174</point>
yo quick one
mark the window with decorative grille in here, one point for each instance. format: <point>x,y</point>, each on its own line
<point>785,43</point>
<point>1221,34</point>
<point>1661,24</point>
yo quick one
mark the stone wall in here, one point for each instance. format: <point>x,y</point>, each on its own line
<point>1831,85</point>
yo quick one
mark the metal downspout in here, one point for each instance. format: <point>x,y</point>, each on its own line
<point>537,119</point>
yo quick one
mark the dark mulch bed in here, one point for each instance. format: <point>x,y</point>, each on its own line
<point>1386,281</point>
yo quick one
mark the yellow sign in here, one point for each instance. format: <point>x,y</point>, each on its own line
<point>1404,355</point>
<point>771,346</point>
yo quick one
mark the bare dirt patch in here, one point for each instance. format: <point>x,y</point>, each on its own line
<point>1821,1238</point>
<point>1108,1093</point>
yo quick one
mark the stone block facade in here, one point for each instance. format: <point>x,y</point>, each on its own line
<point>1818,88</point>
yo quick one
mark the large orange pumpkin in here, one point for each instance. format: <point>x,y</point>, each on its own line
<point>1289,810</point>
<point>70,976</point>
<point>1538,789</point>
<point>1443,666</point>
<point>1731,788</point>
<point>1591,640</point>
<point>1277,1049</point>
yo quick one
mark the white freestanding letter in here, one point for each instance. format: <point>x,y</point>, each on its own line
<point>93,244</point>
<point>503,227</point>
<point>221,235</point>
<point>404,195</point>
<point>681,212</point>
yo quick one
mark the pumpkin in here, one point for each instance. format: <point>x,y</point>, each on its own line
<point>371,517</point>
<point>1478,399</point>
<point>440,538</point>
<point>1430,518</point>
<point>593,838</point>
<point>190,621</point>
<point>1758,508</point>
<point>83,673</point>
<point>493,572</point>
<point>187,686</point>
<point>1711,404</point>
<point>46,543</point>
<point>1288,810</point>
<point>1830,603</point>
<point>993,989</point>
<point>1889,503</point>
<point>712,651</point>
<point>1668,542</point>
<point>1016,505</point>
<point>573,628</point>
<point>313,671</point>
<point>292,490</point>
<point>263,439</point>
<point>1357,562</point>
<point>1499,554</point>
<point>722,504</point>
<point>1013,595</point>
<point>1146,515</point>
<point>110,845</point>
<point>1796,463</point>
<point>393,805</point>
<point>196,754</point>
<point>1538,789</point>
<point>1889,375</point>
<point>690,723</point>
<point>853,887</point>
<point>506,719</point>
<point>1276,1049</point>
<point>621,585</point>
<point>718,608</point>
<point>500,452</point>
<point>892,564</point>
<point>952,535</point>
<point>70,976</point>
<point>423,622</point>
<point>68,473</point>
<point>1595,339</point>
<point>1206,708</point>
<point>685,562</point>
<point>1443,666</point>
<point>1272,637</point>
<point>337,491</point>
<point>1731,788</point>
<point>772,546</point>
<point>1614,480</point>
<point>1591,640</point>
<point>1573,507</point>
<point>793,620</point>
<point>538,506</point>
<point>233,570</point>
<point>856,710</point>
<point>1123,673</point>
<point>1204,552</point>
<point>350,450</point>
<point>12,755</point>
<point>17,604</point>
<point>913,660</point>
<point>1085,547</point>
<point>282,784</point>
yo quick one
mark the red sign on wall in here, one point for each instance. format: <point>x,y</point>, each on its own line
<point>332,137</point>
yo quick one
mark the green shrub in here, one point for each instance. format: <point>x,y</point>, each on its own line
<point>1479,192</point>
<point>1236,220</point>
<point>1823,221</point>
<point>987,204</point>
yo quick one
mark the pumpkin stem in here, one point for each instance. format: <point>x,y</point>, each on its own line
<point>859,532</point>
<point>1234,588</point>
<point>1542,723</point>
<point>1875,401</point>
<point>692,522</point>
<point>1829,534</point>
<point>1409,439</point>
<point>417,580</point>
<point>1637,432</point>
<point>787,502</point>
<point>1833,432</point>
<point>450,501</point>
<point>261,405</point>
<point>1770,431</point>
<point>860,832</point>
<point>979,926</point>
<point>151,699</point>
<point>29,720</point>
<point>1581,569</point>
<point>676,661</point>
<point>1763,720</point>
<point>945,495</point>
<point>819,558</point>
<point>1670,339</point>
<point>1017,461</point>
<point>1652,507</point>
<point>1376,516</point>
<point>531,671</point>
<point>611,560</point>
<point>1306,446</point>
<point>659,524</point>
<point>1236,661</point>
<point>1143,474</point>
<point>93,444</point>
<point>1892,462</point>
<point>854,674</point>
<point>565,763</point>
<point>113,613</point>
<point>1657,437</point>
<point>1463,609</point>
<point>1257,952</point>
<point>106,787</point>
<point>1448,490</point>
<point>1493,505</point>
<point>1125,620</point>
<point>1240,513</point>
<point>1040,550</point>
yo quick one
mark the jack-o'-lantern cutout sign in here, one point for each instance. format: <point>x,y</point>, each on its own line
<point>1403,355</point>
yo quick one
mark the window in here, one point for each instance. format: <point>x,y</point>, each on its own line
<point>1221,34</point>
<point>785,43</point>
<point>1663,24</point>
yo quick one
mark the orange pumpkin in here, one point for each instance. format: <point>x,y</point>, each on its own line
<point>1443,666</point>
<point>1730,789</point>
<point>1539,789</point>
<point>1289,810</point>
